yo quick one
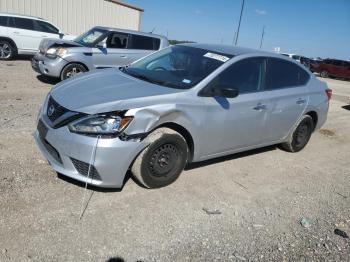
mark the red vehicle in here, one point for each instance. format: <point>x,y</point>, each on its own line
<point>333,68</point>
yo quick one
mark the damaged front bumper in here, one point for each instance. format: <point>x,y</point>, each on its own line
<point>48,67</point>
<point>69,154</point>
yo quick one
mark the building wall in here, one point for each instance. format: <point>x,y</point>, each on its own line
<point>76,16</point>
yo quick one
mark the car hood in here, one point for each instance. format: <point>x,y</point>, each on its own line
<point>108,90</point>
<point>46,43</point>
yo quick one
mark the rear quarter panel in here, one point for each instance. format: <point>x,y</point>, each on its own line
<point>318,100</point>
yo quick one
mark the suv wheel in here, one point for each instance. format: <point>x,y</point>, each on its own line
<point>7,51</point>
<point>161,163</point>
<point>72,70</point>
<point>324,73</point>
<point>301,135</point>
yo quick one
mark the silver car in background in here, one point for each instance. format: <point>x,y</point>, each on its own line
<point>100,47</point>
<point>183,104</point>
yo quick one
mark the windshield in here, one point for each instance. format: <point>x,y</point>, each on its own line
<point>90,37</point>
<point>177,66</point>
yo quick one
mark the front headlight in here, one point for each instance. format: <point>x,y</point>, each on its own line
<point>61,52</point>
<point>100,125</point>
<point>53,52</point>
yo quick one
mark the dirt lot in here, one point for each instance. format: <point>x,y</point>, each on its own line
<point>261,196</point>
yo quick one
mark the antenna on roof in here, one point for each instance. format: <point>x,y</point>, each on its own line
<point>153,30</point>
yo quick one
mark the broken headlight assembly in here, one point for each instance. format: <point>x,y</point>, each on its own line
<point>54,52</point>
<point>101,124</point>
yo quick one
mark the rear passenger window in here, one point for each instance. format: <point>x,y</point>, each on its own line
<point>117,40</point>
<point>45,27</point>
<point>245,75</point>
<point>144,42</point>
<point>3,20</point>
<point>23,23</point>
<point>283,74</point>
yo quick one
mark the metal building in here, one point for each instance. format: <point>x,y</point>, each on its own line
<point>76,16</point>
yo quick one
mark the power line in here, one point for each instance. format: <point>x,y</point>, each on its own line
<point>239,23</point>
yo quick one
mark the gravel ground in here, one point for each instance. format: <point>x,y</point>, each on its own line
<point>245,207</point>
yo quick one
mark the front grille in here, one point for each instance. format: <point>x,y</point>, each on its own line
<point>83,169</point>
<point>55,110</point>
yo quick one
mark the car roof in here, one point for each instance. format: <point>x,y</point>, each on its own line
<point>128,31</point>
<point>227,49</point>
<point>22,16</point>
<point>236,51</point>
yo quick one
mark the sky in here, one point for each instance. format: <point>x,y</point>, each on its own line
<point>313,28</point>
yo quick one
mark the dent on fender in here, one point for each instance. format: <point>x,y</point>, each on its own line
<point>147,119</point>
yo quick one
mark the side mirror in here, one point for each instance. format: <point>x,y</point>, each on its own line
<point>61,35</point>
<point>220,91</point>
<point>102,45</point>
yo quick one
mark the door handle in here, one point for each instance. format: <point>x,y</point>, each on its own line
<point>15,32</point>
<point>123,56</point>
<point>260,107</point>
<point>300,101</point>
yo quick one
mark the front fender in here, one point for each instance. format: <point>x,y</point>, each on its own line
<point>149,118</point>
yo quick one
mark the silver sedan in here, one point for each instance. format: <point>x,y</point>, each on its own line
<point>185,103</point>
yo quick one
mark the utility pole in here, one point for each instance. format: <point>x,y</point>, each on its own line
<point>234,37</point>
<point>262,36</point>
<point>239,23</point>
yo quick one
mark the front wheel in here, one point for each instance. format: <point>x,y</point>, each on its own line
<point>161,163</point>
<point>324,74</point>
<point>7,51</point>
<point>72,70</point>
<point>300,136</point>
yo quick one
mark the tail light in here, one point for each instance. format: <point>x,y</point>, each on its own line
<point>329,93</point>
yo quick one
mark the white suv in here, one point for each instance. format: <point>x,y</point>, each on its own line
<point>21,34</point>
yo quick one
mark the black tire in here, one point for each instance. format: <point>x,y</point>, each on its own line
<point>300,136</point>
<point>7,50</point>
<point>71,70</point>
<point>161,163</point>
<point>324,74</point>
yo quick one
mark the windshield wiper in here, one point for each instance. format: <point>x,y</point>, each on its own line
<point>143,77</point>
<point>125,70</point>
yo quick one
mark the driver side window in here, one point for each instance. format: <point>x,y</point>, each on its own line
<point>245,75</point>
<point>117,40</point>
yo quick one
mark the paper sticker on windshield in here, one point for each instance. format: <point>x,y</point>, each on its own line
<point>186,81</point>
<point>221,58</point>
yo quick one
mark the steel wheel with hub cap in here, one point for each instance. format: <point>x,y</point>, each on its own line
<point>71,70</point>
<point>161,163</point>
<point>7,51</point>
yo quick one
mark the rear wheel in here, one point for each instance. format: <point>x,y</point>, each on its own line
<point>72,70</point>
<point>301,135</point>
<point>161,163</point>
<point>324,73</point>
<point>7,50</point>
